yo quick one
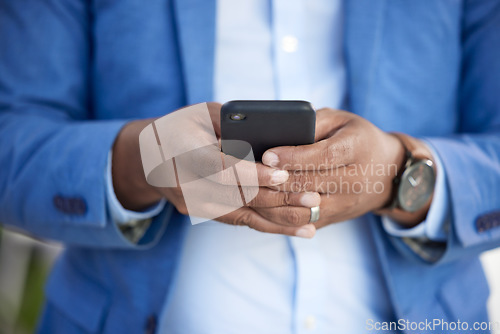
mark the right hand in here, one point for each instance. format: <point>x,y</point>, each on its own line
<point>215,193</point>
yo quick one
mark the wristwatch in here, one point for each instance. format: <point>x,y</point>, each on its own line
<point>413,187</point>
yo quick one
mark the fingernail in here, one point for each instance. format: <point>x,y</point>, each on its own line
<point>306,231</point>
<point>271,159</point>
<point>279,177</point>
<point>310,200</point>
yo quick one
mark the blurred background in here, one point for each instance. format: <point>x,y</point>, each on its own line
<point>26,262</point>
<point>24,266</point>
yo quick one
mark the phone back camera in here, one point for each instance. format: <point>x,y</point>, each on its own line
<point>237,117</point>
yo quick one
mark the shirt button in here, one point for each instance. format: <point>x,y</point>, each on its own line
<point>151,323</point>
<point>70,205</point>
<point>289,43</point>
<point>310,322</point>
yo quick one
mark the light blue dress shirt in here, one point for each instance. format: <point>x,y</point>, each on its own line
<point>236,280</point>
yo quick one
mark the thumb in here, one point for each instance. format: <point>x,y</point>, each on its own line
<point>332,147</point>
<point>305,157</point>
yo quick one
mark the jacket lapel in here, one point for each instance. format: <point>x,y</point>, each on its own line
<point>196,32</point>
<point>362,39</point>
<point>363,31</point>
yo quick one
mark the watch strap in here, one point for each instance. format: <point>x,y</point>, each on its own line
<point>413,153</point>
<point>418,152</point>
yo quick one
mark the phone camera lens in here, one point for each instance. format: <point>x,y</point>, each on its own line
<point>237,117</point>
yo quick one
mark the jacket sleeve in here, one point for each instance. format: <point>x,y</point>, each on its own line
<point>52,154</point>
<point>472,157</point>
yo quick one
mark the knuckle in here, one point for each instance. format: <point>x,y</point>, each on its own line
<point>244,217</point>
<point>285,198</point>
<point>182,208</point>
<point>304,182</point>
<point>270,198</point>
<point>293,217</point>
<point>331,154</point>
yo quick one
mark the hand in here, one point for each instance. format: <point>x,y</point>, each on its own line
<point>214,194</point>
<point>352,165</point>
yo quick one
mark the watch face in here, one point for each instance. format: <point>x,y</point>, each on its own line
<point>417,185</point>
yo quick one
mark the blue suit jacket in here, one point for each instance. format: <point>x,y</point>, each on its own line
<point>73,71</point>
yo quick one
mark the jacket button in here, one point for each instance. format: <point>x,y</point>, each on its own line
<point>151,323</point>
<point>488,221</point>
<point>70,205</point>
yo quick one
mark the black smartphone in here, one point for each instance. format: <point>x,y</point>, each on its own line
<point>265,124</point>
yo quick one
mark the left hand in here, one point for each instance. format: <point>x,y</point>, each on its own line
<point>352,165</point>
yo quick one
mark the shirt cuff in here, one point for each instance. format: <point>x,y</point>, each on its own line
<point>119,214</point>
<point>434,227</point>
